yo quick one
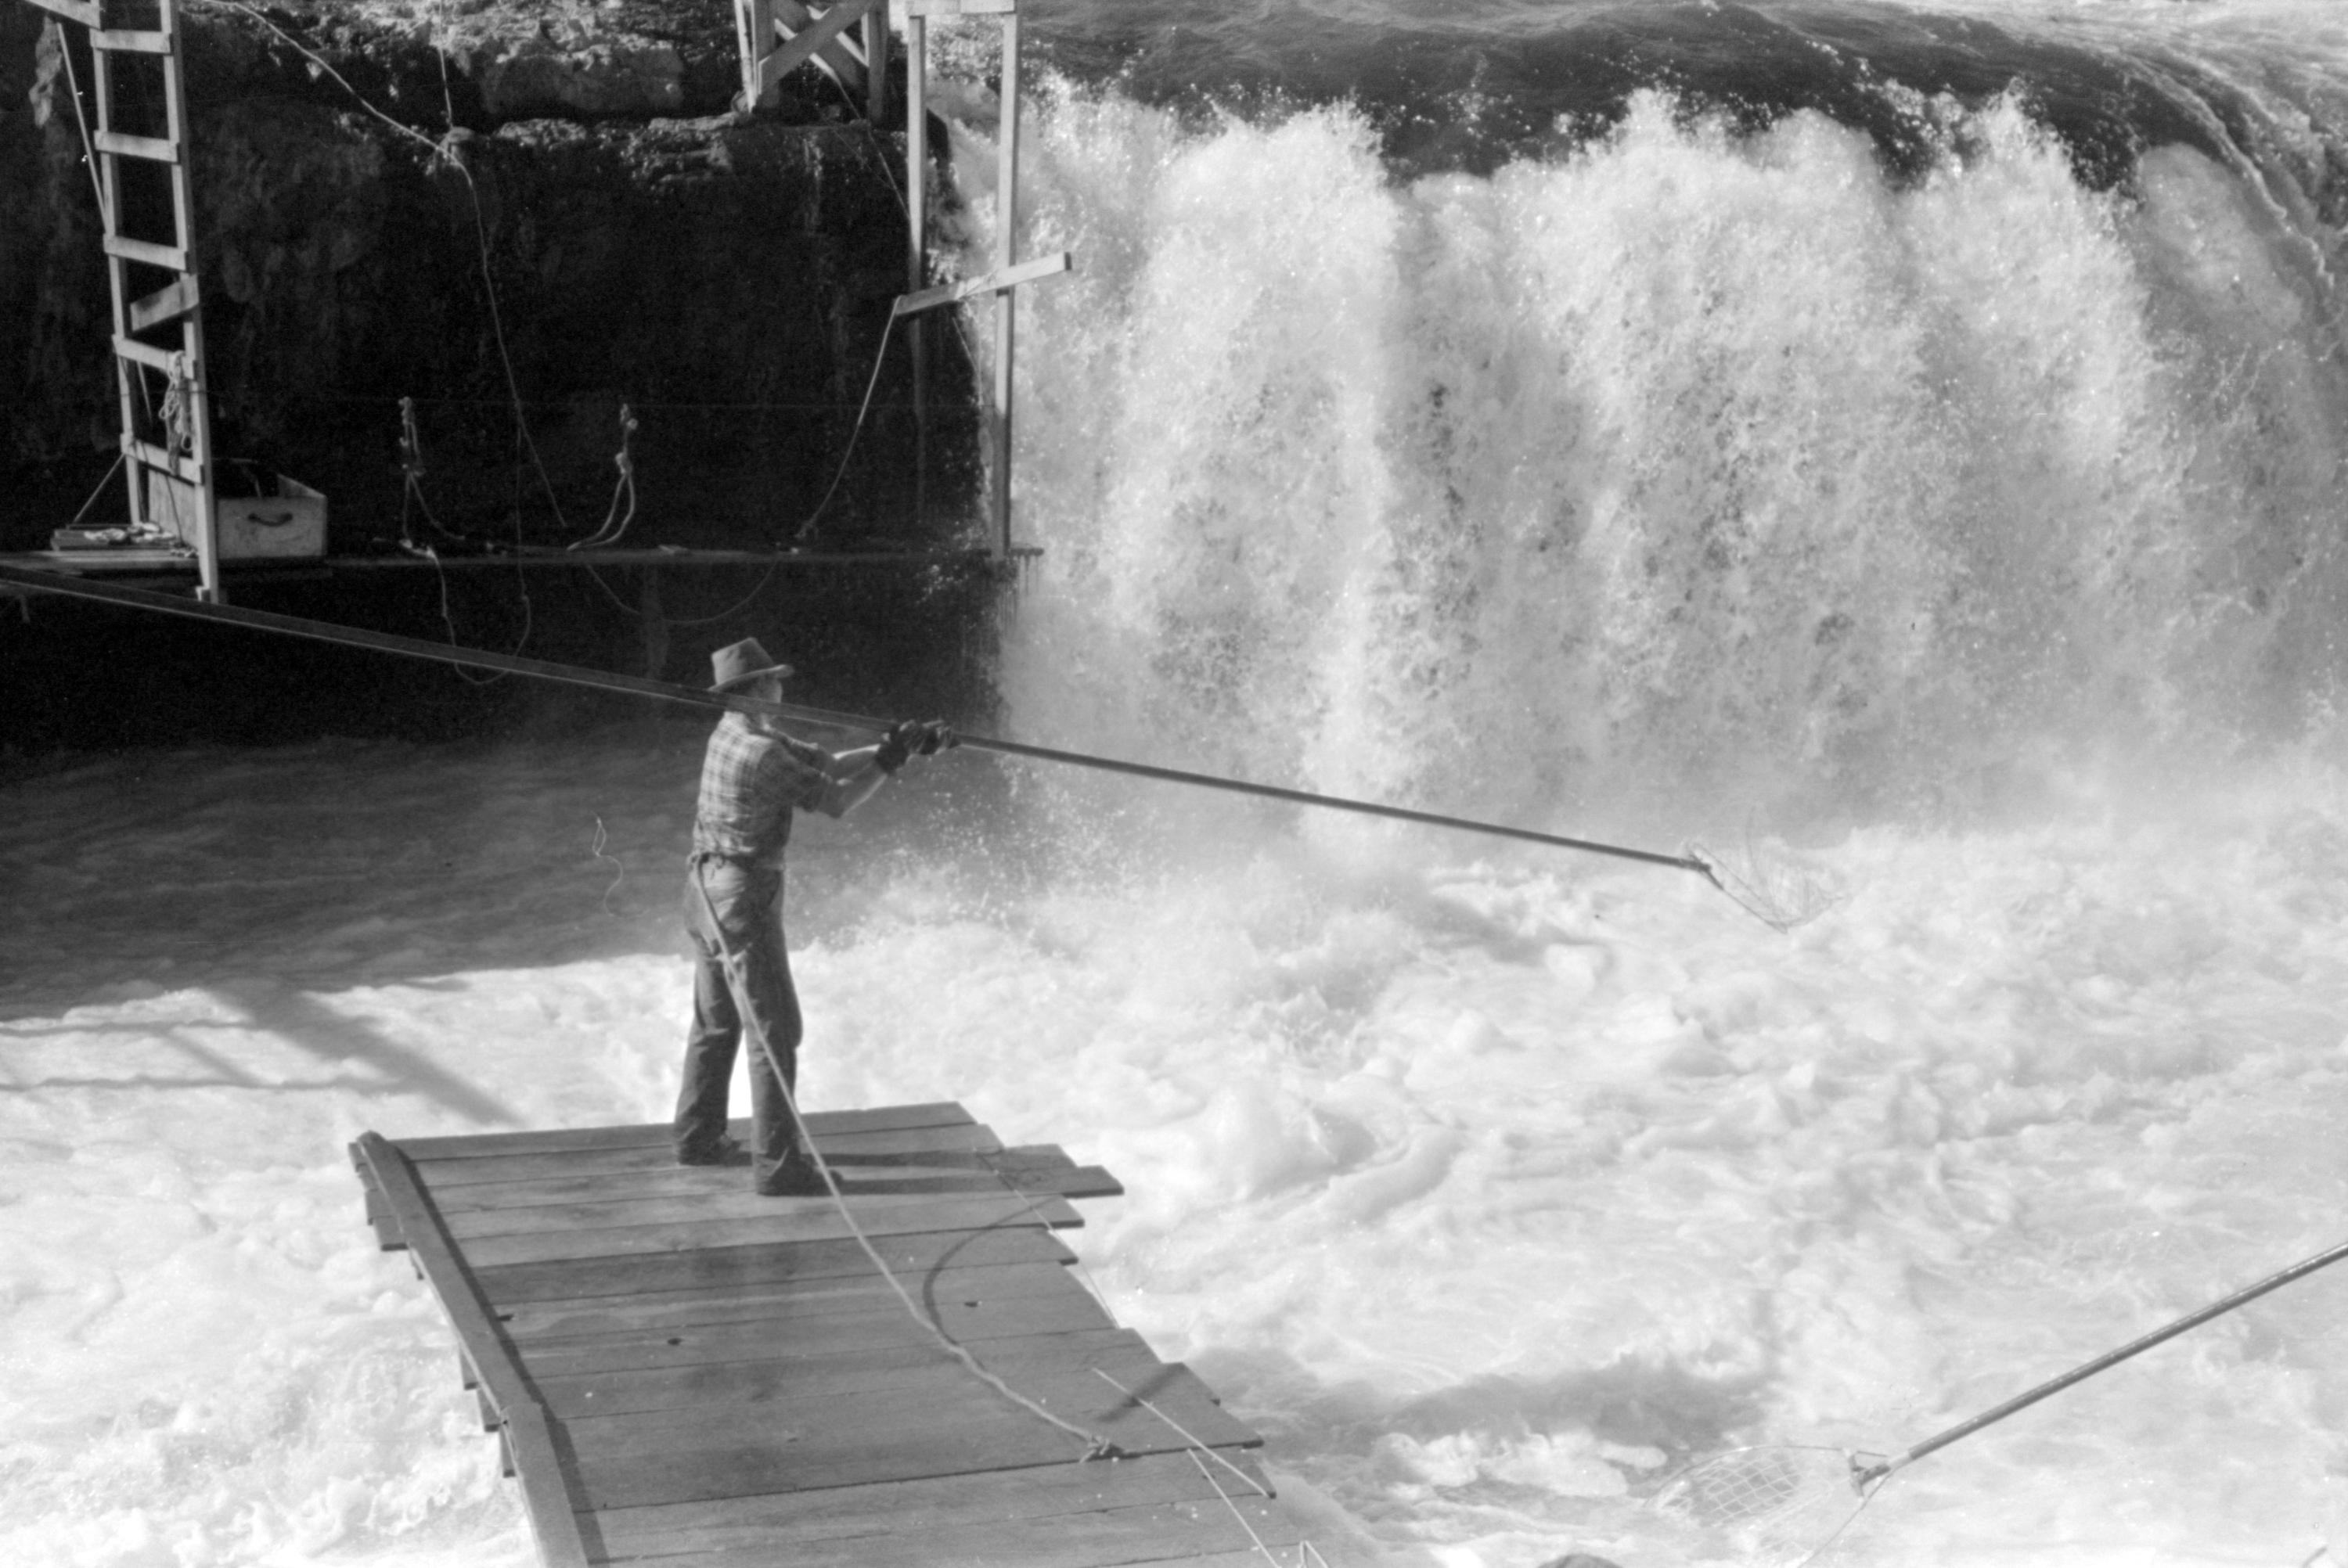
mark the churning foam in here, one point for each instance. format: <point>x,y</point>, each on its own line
<point>1701,472</point>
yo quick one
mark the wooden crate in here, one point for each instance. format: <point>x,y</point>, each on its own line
<point>288,522</point>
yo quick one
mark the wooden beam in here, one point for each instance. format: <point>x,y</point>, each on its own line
<point>876,61</point>
<point>896,1176</point>
<point>173,300</point>
<point>945,1392</point>
<point>810,1334</point>
<point>992,282</point>
<point>814,1448</point>
<point>968,1142</point>
<point>909,1257</point>
<point>1006,301</point>
<point>1120,1350</point>
<point>120,144</point>
<point>538,1322</point>
<point>130,40</point>
<point>735,1201</point>
<point>155,456</point>
<point>144,354</point>
<point>960,8</point>
<point>789,1219</point>
<point>1164,1536</point>
<point>660,1135</point>
<point>170,258</point>
<point>81,11</point>
<point>810,39</point>
<point>545,1494</point>
<point>925,1506</point>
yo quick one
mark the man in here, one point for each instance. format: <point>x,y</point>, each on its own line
<point>753,777</point>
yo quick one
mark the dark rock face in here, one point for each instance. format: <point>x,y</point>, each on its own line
<point>521,216</point>
<point>423,229</point>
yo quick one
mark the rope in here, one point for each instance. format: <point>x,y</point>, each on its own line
<point>625,485</point>
<point>100,489</point>
<point>1234,1507</point>
<point>619,868</point>
<point>178,420</point>
<point>880,358</point>
<point>1095,1445</point>
<point>411,470</point>
<point>89,146</point>
<point>1186,1435</point>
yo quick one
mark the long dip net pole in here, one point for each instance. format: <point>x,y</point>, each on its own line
<point>669,691</point>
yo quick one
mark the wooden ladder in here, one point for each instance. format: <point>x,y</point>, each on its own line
<point>158,338</point>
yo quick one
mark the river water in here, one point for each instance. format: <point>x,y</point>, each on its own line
<point>1899,450</point>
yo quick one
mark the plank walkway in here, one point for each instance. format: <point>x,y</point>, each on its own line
<point>685,1375</point>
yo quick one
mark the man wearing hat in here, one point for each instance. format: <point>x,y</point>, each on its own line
<point>753,777</point>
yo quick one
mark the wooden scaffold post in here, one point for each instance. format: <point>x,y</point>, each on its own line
<point>1008,273</point>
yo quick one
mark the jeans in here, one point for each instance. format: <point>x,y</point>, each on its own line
<point>730,907</point>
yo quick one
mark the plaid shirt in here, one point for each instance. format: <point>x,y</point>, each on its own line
<point>750,780</point>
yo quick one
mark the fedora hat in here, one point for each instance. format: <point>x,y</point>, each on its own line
<point>743,661</point>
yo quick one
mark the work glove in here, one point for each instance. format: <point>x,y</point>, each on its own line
<point>937,735</point>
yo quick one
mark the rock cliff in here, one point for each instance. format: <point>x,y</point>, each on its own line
<point>481,205</point>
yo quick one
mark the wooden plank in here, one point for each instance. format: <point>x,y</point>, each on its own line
<point>803,1219</point>
<point>551,1247</point>
<point>960,8</point>
<point>944,1393</point>
<point>673,1181</point>
<point>120,144</point>
<point>934,1113</point>
<point>184,469</point>
<point>876,62</point>
<point>779,1522</point>
<point>381,1217</point>
<point>992,283</point>
<point>856,1181</point>
<point>896,1435</point>
<point>82,11</point>
<point>170,258</point>
<point>1080,1182</point>
<point>173,300</point>
<point>130,40</point>
<point>881,1146</point>
<point>148,354</point>
<point>1161,1532</point>
<point>914,1212</point>
<point>1251,1558</point>
<point>704,1306</point>
<point>806,1334</point>
<point>909,1256</point>
<point>546,1495</point>
<point>1122,1351</point>
<point>672,1472</point>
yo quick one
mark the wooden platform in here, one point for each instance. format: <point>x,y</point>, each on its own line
<point>682,1373</point>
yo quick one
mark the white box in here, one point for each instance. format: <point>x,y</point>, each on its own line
<point>290,522</point>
